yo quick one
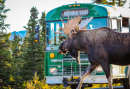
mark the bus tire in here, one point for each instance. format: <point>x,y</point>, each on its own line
<point>126,82</point>
<point>74,86</point>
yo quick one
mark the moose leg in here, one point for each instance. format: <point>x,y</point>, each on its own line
<point>88,71</point>
<point>106,68</point>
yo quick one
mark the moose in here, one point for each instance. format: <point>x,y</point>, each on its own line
<point>103,46</point>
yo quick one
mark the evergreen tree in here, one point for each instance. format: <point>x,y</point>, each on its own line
<point>33,53</point>
<point>43,35</point>
<point>43,25</point>
<point>104,1</point>
<point>5,55</point>
<point>16,63</point>
<point>43,29</point>
<point>120,3</point>
<point>98,1</point>
<point>113,2</point>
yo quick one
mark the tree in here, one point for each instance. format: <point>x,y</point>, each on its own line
<point>5,55</point>
<point>120,3</point>
<point>112,2</point>
<point>101,1</point>
<point>43,34</point>
<point>16,63</point>
<point>43,25</point>
<point>3,12</point>
<point>33,52</point>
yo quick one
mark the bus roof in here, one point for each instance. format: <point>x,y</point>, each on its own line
<point>86,10</point>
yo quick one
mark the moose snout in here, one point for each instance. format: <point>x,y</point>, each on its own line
<point>64,52</point>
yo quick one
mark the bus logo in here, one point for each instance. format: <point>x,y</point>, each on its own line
<point>74,12</point>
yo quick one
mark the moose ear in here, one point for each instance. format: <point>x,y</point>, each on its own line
<point>75,54</point>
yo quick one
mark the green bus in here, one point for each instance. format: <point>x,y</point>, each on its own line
<point>63,69</point>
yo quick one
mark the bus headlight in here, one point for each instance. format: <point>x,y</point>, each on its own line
<point>53,70</point>
<point>99,69</point>
<point>52,55</point>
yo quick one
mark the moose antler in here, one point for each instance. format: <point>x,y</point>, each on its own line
<point>71,24</point>
<point>85,22</point>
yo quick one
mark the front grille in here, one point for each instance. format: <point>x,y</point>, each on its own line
<point>70,67</point>
<point>74,70</point>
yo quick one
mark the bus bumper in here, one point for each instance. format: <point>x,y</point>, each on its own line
<point>90,79</point>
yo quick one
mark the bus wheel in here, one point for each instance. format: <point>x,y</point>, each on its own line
<point>126,82</point>
<point>74,87</point>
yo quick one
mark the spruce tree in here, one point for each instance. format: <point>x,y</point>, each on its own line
<point>113,2</point>
<point>43,37</point>
<point>33,53</point>
<point>120,3</point>
<point>16,63</point>
<point>104,1</point>
<point>43,25</point>
<point>5,54</point>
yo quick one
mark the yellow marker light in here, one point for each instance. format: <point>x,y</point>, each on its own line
<point>36,40</point>
<point>78,5</point>
<point>52,55</point>
<point>74,5</point>
<point>70,5</point>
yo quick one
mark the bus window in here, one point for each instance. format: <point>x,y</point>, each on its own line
<point>62,25</point>
<point>51,36</point>
<point>57,35</point>
<point>47,34</point>
<point>97,23</point>
<point>53,40</point>
<point>125,24</point>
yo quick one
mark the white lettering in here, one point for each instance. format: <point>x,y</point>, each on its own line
<point>75,13</point>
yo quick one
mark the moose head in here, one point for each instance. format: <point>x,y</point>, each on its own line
<point>71,28</point>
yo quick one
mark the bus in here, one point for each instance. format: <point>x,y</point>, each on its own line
<point>63,69</point>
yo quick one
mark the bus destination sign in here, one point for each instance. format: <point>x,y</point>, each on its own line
<point>74,12</point>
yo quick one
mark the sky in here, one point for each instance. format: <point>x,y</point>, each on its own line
<point>19,13</point>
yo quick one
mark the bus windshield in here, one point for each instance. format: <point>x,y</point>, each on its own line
<point>54,40</point>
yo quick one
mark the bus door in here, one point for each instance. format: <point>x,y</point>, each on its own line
<point>113,23</point>
<point>116,24</point>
